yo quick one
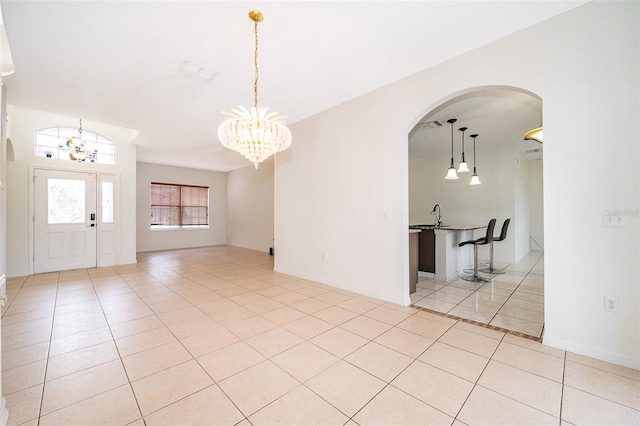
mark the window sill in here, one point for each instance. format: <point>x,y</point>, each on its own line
<point>178,228</point>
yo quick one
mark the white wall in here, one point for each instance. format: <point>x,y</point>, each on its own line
<point>250,207</point>
<point>536,195</point>
<point>23,124</point>
<point>148,240</point>
<point>343,185</point>
<point>520,226</point>
<point>3,180</point>
<point>464,204</point>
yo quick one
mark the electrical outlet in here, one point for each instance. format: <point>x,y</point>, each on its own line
<point>611,304</point>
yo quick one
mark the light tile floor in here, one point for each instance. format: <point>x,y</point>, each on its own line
<point>512,301</point>
<point>212,336</point>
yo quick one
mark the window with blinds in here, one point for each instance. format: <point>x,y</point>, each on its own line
<point>179,206</point>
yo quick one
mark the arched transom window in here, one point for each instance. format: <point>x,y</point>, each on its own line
<point>67,143</point>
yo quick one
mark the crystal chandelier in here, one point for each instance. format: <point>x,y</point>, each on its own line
<point>79,149</point>
<point>257,133</point>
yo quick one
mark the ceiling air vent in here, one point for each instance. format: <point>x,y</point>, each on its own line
<point>532,151</point>
<point>192,68</point>
<point>431,124</point>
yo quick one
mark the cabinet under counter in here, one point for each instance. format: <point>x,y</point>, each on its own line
<point>435,251</point>
<point>427,250</point>
<point>414,250</point>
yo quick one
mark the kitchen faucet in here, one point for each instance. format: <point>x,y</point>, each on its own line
<point>438,216</point>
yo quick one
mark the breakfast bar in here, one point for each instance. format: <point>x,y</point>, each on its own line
<point>439,255</point>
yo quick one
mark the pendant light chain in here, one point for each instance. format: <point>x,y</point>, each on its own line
<point>474,152</point>
<point>452,143</point>
<point>451,172</point>
<point>475,179</point>
<point>462,129</point>
<point>255,62</point>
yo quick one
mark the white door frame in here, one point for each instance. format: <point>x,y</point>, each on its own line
<point>111,230</point>
<point>71,244</point>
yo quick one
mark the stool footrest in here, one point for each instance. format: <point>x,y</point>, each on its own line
<point>474,278</point>
<point>491,270</point>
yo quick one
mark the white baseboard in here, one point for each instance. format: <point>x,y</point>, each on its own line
<point>614,358</point>
<point>406,301</point>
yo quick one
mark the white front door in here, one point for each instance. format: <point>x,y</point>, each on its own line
<point>64,220</point>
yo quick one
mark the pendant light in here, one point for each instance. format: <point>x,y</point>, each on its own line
<point>534,135</point>
<point>451,173</point>
<point>462,167</point>
<point>256,133</point>
<point>475,179</point>
<point>79,149</point>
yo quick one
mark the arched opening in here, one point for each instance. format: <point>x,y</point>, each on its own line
<point>11,156</point>
<point>510,172</point>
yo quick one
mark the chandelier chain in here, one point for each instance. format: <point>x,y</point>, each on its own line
<point>255,62</point>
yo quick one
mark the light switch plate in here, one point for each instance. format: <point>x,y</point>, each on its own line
<point>614,219</point>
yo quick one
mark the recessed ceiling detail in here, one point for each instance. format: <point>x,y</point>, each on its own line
<point>500,116</point>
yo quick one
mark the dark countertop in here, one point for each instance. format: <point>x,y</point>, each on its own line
<point>448,227</point>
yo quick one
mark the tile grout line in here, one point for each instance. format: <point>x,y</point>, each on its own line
<point>194,358</point>
<point>502,339</point>
<point>320,372</point>
<point>509,397</point>
<point>48,357</point>
<point>8,304</point>
<point>478,379</point>
<point>387,384</point>
<point>503,304</point>
<point>46,365</point>
<point>512,292</point>
<point>116,345</point>
<point>564,370</point>
<point>215,383</point>
<point>481,324</point>
<point>509,297</point>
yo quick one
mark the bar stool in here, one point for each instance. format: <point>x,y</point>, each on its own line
<point>503,235</point>
<point>488,238</point>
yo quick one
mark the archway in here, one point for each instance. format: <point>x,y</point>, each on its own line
<point>510,170</point>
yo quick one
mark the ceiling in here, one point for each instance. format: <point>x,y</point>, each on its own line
<point>118,62</point>
<point>499,117</point>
